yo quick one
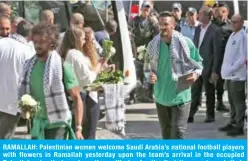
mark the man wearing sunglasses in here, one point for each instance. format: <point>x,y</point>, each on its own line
<point>234,70</point>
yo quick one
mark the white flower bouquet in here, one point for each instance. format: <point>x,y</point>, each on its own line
<point>141,50</point>
<point>109,50</point>
<point>28,106</point>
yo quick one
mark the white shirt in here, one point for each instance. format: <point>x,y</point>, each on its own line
<point>82,69</point>
<point>13,55</point>
<point>202,34</point>
<point>234,63</point>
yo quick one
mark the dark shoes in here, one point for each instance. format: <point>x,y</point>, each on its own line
<point>130,101</point>
<point>232,130</point>
<point>209,119</point>
<point>235,132</point>
<point>190,119</point>
<point>221,107</point>
<point>146,100</point>
<point>102,115</point>
<point>226,128</point>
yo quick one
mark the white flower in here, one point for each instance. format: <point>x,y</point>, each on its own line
<point>141,48</point>
<point>113,51</point>
<point>141,56</point>
<point>73,1</point>
<point>27,100</point>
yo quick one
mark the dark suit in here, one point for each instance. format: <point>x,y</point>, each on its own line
<point>210,52</point>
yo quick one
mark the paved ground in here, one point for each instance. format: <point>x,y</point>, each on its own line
<point>142,123</point>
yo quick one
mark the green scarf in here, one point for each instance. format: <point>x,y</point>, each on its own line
<point>39,126</point>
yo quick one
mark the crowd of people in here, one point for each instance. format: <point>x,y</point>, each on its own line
<point>204,50</point>
<point>53,68</point>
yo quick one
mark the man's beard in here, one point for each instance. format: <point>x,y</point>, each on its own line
<point>164,34</point>
<point>221,19</point>
<point>40,53</point>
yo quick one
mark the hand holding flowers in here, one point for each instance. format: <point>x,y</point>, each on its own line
<point>28,106</point>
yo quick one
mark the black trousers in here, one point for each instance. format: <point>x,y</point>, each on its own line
<point>8,124</point>
<point>196,96</point>
<point>91,117</point>
<point>220,89</point>
<point>173,120</point>
<point>56,133</point>
<point>236,97</point>
<point>139,70</point>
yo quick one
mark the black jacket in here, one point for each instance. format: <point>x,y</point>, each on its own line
<point>226,31</point>
<point>180,24</point>
<point>209,49</point>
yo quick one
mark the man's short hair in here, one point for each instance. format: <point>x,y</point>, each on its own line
<point>5,17</point>
<point>50,31</point>
<point>167,14</point>
<point>223,5</point>
<point>216,5</point>
<point>4,8</point>
<point>17,20</point>
<point>177,6</point>
<point>77,19</point>
<point>207,11</point>
<point>46,16</point>
<point>24,28</point>
<point>111,26</point>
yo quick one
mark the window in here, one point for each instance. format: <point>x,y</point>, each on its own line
<point>91,17</point>
<point>101,5</point>
<point>32,11</point>
<point>15,7</point>
<point>243,9</point>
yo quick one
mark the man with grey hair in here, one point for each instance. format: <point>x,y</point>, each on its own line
<point>14,24</point>
<point>23,34</point>
<point>207,39</point>
<point>110,29</point>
